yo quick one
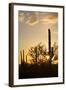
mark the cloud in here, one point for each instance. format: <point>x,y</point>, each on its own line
<point>49,18</point>
<point>33,18</point>
<point>21,17</point>
<point>29,18</point>
<point>32,23</point>
<point>48,21</point>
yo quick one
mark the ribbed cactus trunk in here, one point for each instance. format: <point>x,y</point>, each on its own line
<point>49,44</point>
<point>49,41</point>
<point>26,59</point>
<point>21,56</point>
<point>36,55</point>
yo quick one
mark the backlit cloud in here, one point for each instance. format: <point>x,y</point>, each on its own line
<point>33,18</point>
<point>21,17</point>
<point>49,19</point>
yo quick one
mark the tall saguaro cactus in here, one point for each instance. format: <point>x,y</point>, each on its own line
<point>49,44</point>
<point>49,41</point>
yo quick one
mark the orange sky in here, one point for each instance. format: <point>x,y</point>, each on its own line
<point>33,29</point>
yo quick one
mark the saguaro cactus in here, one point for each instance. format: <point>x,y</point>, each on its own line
<point>21,56</point>
<point>49,44</point>
<point>26,59</point>
<point>49,41</point>
<point>36,54</point>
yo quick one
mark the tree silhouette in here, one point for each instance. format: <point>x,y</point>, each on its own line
<point>33,53</point>
<point>38,53</point>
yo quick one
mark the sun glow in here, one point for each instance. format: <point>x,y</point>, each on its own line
<point>48,57</point>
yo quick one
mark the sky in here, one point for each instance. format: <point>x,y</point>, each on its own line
<point>33,29</point>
